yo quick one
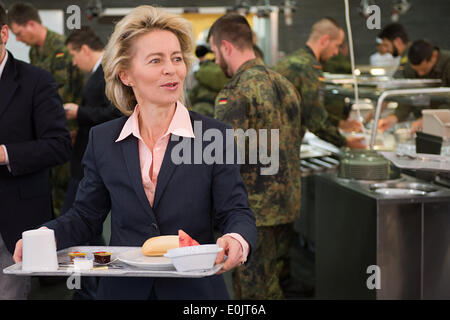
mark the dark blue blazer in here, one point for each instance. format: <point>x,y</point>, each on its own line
<point>191,197</point>
<point>34,129</point>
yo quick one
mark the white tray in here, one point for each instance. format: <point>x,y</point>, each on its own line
<point>116,268</point>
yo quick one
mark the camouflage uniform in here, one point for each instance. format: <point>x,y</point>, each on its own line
<point>338,64</point>
<point>404,68</point>
<point>53,57</point>
<point>305,72</point>
<point>441,70</point>
<point>210,80</point>
<point>259,98</point>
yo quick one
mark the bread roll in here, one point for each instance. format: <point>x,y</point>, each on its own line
<point>158,246</point>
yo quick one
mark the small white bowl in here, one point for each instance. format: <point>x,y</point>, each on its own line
<point>192,258</point>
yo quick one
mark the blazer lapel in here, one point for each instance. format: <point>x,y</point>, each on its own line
<point>131,155</point>
<point>166,171</point>
<point>8,85</point>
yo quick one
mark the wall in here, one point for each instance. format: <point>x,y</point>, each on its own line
<point>426,19</point>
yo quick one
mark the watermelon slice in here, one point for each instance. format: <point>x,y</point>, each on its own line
<point>185,240</point>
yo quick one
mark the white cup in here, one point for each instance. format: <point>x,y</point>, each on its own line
<point>39,250</point>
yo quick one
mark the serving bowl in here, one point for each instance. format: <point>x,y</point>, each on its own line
<point>201,257</point>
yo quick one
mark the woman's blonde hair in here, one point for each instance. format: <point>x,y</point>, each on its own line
<point>119,50</point>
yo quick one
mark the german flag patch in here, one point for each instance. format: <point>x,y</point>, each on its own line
<point>59,55</point>
<point>223,100</point>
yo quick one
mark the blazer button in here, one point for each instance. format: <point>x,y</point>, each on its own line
<point>154,226</point>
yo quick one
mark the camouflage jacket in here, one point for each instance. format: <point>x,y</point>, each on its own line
<point>210,80</point>
<point>441,70</point>
<point>305,72</point>
<point>53,57</point>
<point>257,98</point>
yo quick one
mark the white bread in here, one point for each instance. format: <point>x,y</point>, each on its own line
<point>158,246</point>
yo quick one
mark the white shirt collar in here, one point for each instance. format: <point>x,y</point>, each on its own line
<point>97,64</point>
<point>2,66</point>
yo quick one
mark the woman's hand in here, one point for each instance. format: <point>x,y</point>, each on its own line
<point>17,256</point>
<point>233,249</point>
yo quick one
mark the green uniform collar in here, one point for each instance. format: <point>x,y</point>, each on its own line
<point>441,63</point>
<point>249,64</point>
<point>311,52</point>
<point>245,66</point>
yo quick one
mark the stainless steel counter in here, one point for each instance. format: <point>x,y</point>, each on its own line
<point>407,237</point>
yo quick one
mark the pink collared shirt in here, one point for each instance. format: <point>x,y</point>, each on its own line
<point>151,160</point>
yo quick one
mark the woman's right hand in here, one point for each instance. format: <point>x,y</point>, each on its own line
<point>17,256</point>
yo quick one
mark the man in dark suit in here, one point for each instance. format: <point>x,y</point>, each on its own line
<point>86,49</point>
<point>33,138</point>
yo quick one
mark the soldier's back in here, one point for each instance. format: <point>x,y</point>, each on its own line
<point>259,98</point>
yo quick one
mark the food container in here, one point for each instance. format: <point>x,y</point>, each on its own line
<point>192,258</point>
<point>82,264</point>
<point>76,254</point>
<point>102,257</point>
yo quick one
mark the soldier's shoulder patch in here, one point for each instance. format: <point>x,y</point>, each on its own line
<point>223,100</point>
<point>59,55</point>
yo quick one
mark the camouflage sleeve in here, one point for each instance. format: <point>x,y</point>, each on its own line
<point>59,70</point>
<point>68,77</point>
<point>314,114</point>
<point>234,112</point>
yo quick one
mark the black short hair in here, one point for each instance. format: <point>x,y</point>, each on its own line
<point>420,50</point>
<point>201,51</point>
<point>234,28</point>
<point>392,31</point>
<point>85,35</point>
<point>3,20</point>
<point>22,12</point>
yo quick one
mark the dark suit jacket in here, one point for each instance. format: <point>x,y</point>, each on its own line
<point>191,197</point>
<point>33,127</point>
<point>95,108</point>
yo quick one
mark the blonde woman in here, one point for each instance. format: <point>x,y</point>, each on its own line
<point>130,168</point>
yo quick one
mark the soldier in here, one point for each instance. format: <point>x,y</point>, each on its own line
<point>303,68</point>
<point>395,39</point>
<point>49,52</point>
<point>210,80</point>
<point>258,98</point>
<point>47,49</point>
<point>426,62</point>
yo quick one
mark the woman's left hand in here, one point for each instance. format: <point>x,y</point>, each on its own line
<point>233,249</point>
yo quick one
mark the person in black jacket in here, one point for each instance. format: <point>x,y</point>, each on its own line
<point>86,48</point>
<point>33,138</point>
